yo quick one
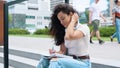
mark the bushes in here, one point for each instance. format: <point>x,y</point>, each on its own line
<point>105,31</point>
<point>16,31</point>
<point>42,31</point>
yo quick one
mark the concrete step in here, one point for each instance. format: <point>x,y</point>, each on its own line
<point>104,63</point>
<point>23,53</point>
<point>2,66</point>
<point>25,58</point>
<point>21,59</point>
<point>20,62</point>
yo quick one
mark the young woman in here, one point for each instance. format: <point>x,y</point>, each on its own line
<point>72,37</point>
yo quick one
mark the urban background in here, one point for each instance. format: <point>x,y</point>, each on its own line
<point>33,16</point>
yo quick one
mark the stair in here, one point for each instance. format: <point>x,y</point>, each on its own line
<point>20,59</point>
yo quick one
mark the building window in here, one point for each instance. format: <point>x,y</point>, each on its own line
<point>30,8</point>
<point>30,25</point>
<point>47,18</point>
<point>11,7</point>
<point>30,17</point>
<point>39,17</point>
<point>39,23</point>
<point>33,1</point>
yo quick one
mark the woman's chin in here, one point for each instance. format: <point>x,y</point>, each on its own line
<point>66,26</point>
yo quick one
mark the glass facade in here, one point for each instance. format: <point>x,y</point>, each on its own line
<point>30,17</point>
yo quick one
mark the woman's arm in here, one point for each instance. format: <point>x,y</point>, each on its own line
<point>71,33</point>
<point>62,49</point>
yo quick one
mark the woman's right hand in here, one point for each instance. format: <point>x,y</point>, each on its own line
<point>51,51</point>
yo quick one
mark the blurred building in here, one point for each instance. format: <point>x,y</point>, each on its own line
<point>53,3</point>
<point>31,15</point>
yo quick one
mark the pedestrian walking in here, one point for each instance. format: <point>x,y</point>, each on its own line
<point>94,19</point>
<point>116,19</point>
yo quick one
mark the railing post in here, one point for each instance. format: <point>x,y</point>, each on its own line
<point>6,53</point>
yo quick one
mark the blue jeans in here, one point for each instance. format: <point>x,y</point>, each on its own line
<point>70,63</point>
<point>118,29</point>
<point>43,63</point>
<point>114,35</point>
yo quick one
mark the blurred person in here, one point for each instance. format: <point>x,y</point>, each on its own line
<point>116,19</point>
<point>113,36</point>
<point>72,37</point>
<point>94,19</point>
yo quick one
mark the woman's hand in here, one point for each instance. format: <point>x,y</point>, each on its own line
<point>75,18</point>
<point>70,29</point>
<point>51,51</point>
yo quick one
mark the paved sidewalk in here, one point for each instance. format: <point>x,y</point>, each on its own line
<point>107,54</point>
<point>104,54</point>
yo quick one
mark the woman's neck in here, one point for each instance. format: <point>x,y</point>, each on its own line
<point>96,2</point>
<point>118,6</point>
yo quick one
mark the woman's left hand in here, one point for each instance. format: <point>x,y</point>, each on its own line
<point>75,18</point>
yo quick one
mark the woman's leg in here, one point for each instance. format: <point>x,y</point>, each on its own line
<point>54,64</point>
<point>43,63</point>
<point>70,63</point>
<point>118,29</point>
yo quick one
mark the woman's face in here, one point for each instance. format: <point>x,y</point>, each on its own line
<point>118,3</point>
<point>96,0</point>
<point>64,18</point>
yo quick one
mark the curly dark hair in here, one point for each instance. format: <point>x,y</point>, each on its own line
<point>57,30</point>
<point>116,1</point>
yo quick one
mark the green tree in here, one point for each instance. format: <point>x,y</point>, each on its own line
<point>10,17</point>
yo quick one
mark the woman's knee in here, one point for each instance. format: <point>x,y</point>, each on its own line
<point>43,63</point>
<point>54,64</point>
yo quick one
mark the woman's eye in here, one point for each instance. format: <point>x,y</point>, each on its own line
<point>63,19</point>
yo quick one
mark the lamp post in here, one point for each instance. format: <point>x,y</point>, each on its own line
<point>67,1</point>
